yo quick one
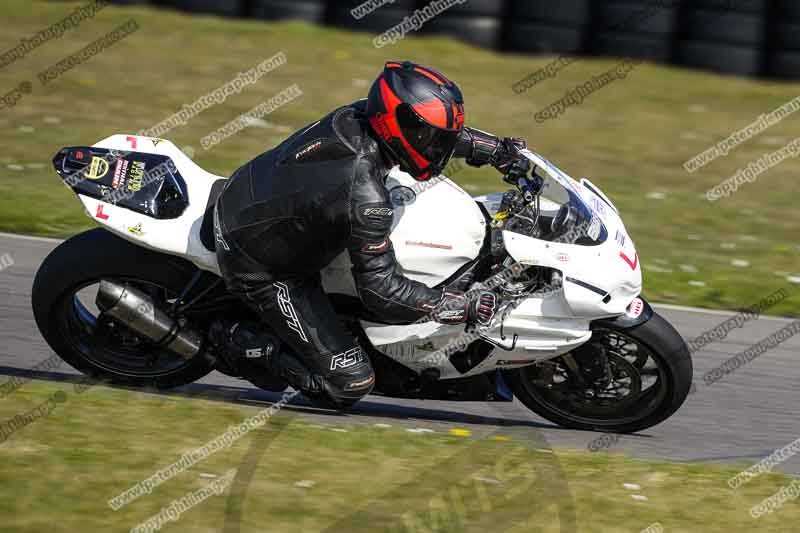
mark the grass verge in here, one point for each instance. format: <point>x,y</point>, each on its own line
<point>58,472</point>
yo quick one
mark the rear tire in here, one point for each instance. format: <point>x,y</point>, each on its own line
<point>665,346</point>
<point>87,258</point>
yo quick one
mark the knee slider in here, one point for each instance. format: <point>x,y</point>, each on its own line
<point>345,387</point>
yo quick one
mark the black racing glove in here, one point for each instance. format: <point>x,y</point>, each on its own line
<point>506,156</point>
<point>481,148</point>
<point>458,308</point>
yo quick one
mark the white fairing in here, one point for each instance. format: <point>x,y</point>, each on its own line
<point>441,229</point>
<point>613,267</point>
<point>542,326</point>
<point>179,236</point>
<point>437,233</point>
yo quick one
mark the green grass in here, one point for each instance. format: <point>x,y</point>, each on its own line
<point>631,137</point>
<point>58,473</point>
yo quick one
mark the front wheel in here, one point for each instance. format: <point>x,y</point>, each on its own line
<point>623,380</point>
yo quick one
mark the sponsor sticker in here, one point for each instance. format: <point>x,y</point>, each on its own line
<point>381,127</point>
<point>136,230</point>
<point>376,247</point>
<point>594,229</point>
<point>564,258</point>
<point>598,205</point>
<point>378,211</point>
<point>136,177</point>
<point>347,359</point>
<point>451,314</point>
<point>97,168</point>
<point>120,173</point>
<point>636,308</point>
<point>621,239</point>
<point>429,245</point>
<point>99,213</point>
<point>254,353</point>
<point>313,147</point>
<point>363,384</point>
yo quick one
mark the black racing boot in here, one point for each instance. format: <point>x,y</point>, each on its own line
<point>248,351</point>
<point>337,390</point>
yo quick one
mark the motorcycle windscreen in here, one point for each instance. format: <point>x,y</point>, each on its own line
<point>146,183</point>
<point>563,217</point>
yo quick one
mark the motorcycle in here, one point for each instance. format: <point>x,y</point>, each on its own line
<point>132,301</point>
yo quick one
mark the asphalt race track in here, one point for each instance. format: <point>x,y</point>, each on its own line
<point>743,417</point>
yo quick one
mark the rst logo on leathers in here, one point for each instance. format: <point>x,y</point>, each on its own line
<point>351,357</point>
<point>378,211</point>
<point>286,307</point>
<point>377,215</point>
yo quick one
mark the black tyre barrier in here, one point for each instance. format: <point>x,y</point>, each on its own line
<point>786,36</point>
<point>309,10</point>
<point>339,14</point>
<point>787,9</point>
<point>725,28</point>
<point>633,29</point>
<point>479,8</point>
<point>532,37</point>
<point>783,61</point>
<point>352,4</point>
<point>723,58</point>
<point>733,6</point>
<point>642,46</point>
<point>744,37</point>
<point>784,65</point>
<point>480,31</point>
<point>376,23</point>
<point>636,17</point>
<point>230,8</point>
<point>574,13</point>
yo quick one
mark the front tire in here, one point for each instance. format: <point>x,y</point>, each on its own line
<point>73,332</point>
<point>651,361</point>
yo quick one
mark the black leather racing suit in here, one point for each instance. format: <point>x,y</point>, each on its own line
<point>289,212</point>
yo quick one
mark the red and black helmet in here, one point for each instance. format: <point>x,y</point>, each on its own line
<point>417,115</point>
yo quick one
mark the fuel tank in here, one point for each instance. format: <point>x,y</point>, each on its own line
<point>437,228</point>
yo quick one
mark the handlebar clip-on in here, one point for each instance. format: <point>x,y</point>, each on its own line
<point>530,186</point>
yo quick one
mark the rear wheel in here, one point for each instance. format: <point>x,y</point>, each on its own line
<point>63,304</point>
<point>622,380</point>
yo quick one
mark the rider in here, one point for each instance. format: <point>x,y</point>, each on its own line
<point>286,214</point>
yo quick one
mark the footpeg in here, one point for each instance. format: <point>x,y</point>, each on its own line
<point>425,378</point>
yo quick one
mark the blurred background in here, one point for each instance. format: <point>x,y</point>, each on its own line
<point>744,37</point>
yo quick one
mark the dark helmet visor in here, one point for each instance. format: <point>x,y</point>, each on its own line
<point>434,144</point>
